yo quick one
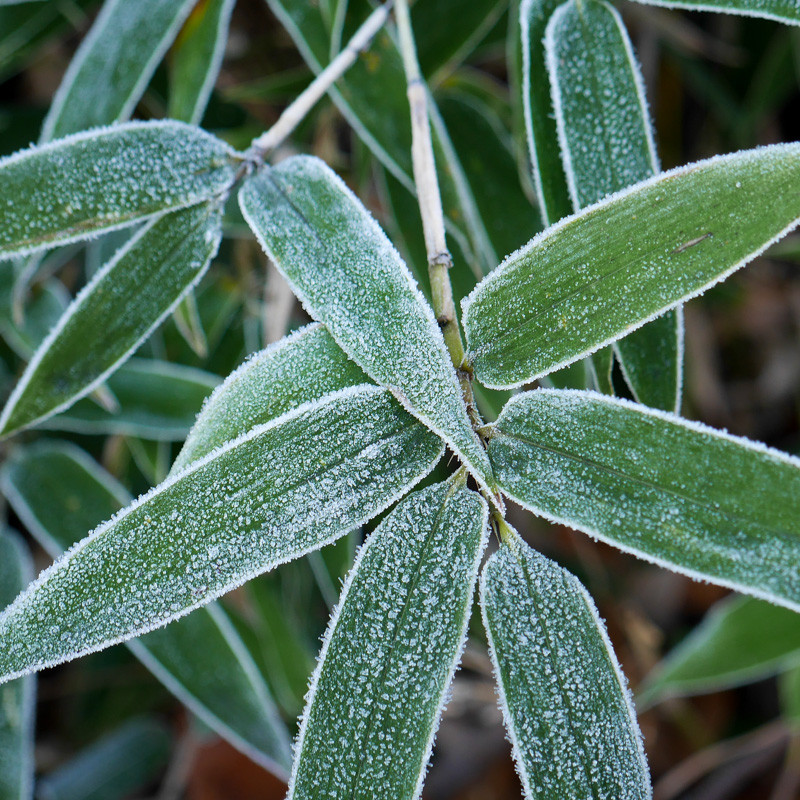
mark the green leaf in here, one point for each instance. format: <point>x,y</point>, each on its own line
<point>391,650</point>
<point>564,699</point>
<point>298,369</point>
<point>594,277</point>
<point>196,58</point>
<point>41,314</point>
<point>537,106</point>
<point>114,64</point>
<point>787,11</point>
<point>59,492</point>
<point>107,178</point>
<point>16,698</point>
<point>121,764</point>
<point>348,275</point>
<point>607,145</point>
<point>789,691</point>
<point>156,400</point>
<point>739,641</point>
<point>715,509</point>
<point>119,308</point>
<point>272,495</point>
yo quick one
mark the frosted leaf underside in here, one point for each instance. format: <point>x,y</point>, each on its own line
<point>111,316</point>
<point>564,699</point>
<point>60,494</point>
<point>674,492</point>
<point>106,178</point>
<point>299,369</point>
<point>390,652</point>
<point>787,11</point>
<point>17,697</point>
<point>271,496</point>
<point>114,64</point>
<point>594,277</point>
<point>349,276</point>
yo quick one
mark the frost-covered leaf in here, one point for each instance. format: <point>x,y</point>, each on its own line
<point>299,369</point>
<point>607,145</point>
<point>787,11</point>
<point>115,312</point>
<point>107,178</point>
<point>59,492</point>
<point>740,640</point>
<point>155,400</point>
<point>114,64</point>
<point>564,698</point>
<point>715,508</point>
<point>391,649</point>
<point>17,697</point>
<point>594,277</point>
<point>537,106</point>
<point>121,764</point>
<point>348,275</point>
<point>196,57</point>
<point>272,495</point>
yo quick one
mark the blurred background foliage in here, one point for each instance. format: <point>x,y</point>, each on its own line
<point>714,729</point>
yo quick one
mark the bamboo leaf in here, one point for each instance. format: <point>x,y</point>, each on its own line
<point>107,178</point>
<point>298,369</point>
<point>564,698</point>
<point>156,400</point>
<point>739,641</point>
<point>114,64</point>
<point>715,509</point>
<point>391,650</point>
<point>272,495</point>
<point>196,58</point>
<point>17,699</point>
<point>787,11</point>
<point>594,277</point>
<point>607,145</point>
<point>59,492</point>
<point>105,324</point>
<point>348,276</point>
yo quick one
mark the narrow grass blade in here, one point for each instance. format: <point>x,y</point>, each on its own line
<point>598,275</point>
<point>391,650</point>
<point>156,400</point>
<point>715,509</point>
<point>348,275</point>
<point>17,713</point>
<point>114,64</point>
<point>299,369</point>
<point>115,312</point>
<point>564,698</point>
<point>272,495</point>
<point>59,492</point>
<point>107,178</point>
<point>607,145</point>
<point>787,11</point>
<point>196,58</point>
<point>740,640</point>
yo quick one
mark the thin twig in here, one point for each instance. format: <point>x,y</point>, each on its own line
<point>295,113</point>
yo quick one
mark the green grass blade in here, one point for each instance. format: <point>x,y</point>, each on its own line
<point>114,64</point>
<point>59,492</point>
<point>119,308</point>
<point>596,276</point>
<point>739,641</point>
<point>607,145</point>
<point>564,698</point>
<point>107,178</point>
<point>348,276</point>
<point>17,701</point>
<point>787,11</point>
<point>391,649</point>
<point>272,495</point>
<point>298,369</point>
<point>196,58</point>
<point>715,509</point>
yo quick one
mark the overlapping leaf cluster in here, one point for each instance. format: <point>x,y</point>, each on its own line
<point>332,426</point>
